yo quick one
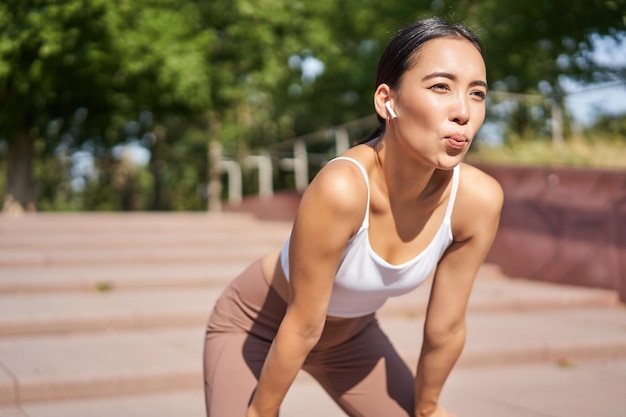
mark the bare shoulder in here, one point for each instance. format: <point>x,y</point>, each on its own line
<point>337,194</point>
<point>480,187</point>
<point>479,201</point>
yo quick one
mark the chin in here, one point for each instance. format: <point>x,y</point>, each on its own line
<point>450,161</point>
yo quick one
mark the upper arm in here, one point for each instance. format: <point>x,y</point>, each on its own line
<point>475,224</point>
<point>331,211</point>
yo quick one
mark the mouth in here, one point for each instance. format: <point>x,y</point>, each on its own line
<point>457,140</point>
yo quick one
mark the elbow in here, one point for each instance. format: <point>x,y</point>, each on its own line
<point>312,333</point>
<point>438,335</point>
<point>308,331</point>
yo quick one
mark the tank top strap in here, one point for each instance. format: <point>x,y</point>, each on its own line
<point>453,190</point>
<point>367,183</point>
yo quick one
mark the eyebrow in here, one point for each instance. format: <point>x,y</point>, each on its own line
<point>453,78</point>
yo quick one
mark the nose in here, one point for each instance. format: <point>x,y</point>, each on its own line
<point>460,111</point>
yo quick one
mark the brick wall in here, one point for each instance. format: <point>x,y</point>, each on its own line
<point>564,225</point>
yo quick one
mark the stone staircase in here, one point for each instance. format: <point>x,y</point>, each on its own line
<point>104,314</point>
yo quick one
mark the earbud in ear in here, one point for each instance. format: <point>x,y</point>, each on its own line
<point>390,110</point>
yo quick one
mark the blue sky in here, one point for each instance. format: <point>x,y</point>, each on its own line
<point>585,102</point>
<point>588,102</point>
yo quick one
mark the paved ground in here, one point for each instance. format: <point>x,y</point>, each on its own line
<point>103,315</point>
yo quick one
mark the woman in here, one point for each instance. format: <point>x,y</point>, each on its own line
<point>374,223</point>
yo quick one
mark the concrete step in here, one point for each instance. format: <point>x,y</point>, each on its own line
<point>136,255</point>
<point>132,239</point>
<point>52,240</point>
<point>41,313</point>
<point>579,389</point>
<point>510,337</point>
<point>118,362</point>
<point>104,314</point>
<point>112,307</point>
<point>103,222</point>
<point>117,276</point>
<point>305,399</point>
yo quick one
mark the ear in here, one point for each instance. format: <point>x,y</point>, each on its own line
<point>382,95</point>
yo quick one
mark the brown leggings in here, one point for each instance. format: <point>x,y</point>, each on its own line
<point>353,361</point>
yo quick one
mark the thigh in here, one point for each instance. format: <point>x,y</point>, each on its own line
<point>366,376</point>
<point>232,365</point>
<point>239,334</point>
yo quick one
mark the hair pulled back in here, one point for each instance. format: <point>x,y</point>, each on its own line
<point>400,54</point>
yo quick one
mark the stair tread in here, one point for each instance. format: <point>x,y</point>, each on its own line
<point>581,389</point>
<point>104,314</point>
<point>110,307</point>
<point>121,362</point>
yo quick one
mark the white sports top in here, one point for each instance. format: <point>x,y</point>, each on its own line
<point>364,280</point>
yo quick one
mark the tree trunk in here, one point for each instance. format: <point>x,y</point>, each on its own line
<point>20,187</point>
<point>157,168</point>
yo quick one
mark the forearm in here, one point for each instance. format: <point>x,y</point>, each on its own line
<point>438,356</point>
<point>285,358</point>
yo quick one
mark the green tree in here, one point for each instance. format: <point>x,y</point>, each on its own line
<point>77,73</point>
<point>355,33</point>
<point>532,45</point>
<point>111,59</point>
<point>256,39</point>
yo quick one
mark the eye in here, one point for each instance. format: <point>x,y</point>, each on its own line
<point>480,95</point>
<point>440,87</point>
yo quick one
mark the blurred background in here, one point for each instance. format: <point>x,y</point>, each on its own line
<point>181,105</point>
<point>151,121</point>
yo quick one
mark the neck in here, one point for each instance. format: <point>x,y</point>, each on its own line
<point>404,180</point>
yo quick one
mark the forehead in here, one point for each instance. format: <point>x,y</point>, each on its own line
<point>449,53</point>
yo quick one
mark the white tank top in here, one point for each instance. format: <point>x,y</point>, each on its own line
<point>364,280</point>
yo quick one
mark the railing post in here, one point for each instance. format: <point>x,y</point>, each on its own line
<point>342,140</point>
<point>298,164</point>
<point>264,165</point>
<point>301,165</point>
<point>557,123</point>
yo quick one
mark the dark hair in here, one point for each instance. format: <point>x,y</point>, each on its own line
<point>399,55</point>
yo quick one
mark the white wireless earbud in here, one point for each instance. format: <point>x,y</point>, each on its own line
<point>390,110</point>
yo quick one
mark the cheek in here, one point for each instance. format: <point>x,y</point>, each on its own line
<point>480,113</point>
<point>425,109</point>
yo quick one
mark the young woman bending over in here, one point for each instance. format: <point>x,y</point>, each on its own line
<point>375,222</point>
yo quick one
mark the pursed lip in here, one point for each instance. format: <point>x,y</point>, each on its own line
<point>457,140</point>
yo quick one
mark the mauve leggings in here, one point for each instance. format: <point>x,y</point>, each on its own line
<point>353,361</point>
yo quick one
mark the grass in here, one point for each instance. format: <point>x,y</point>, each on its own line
<point>604,153</point>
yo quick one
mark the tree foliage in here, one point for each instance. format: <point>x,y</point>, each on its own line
<point>109,60</point>
<point>91,75</point>
<point>532,45</point>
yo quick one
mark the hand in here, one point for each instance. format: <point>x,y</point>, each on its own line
<point>253,412</point>
<point>437,412</point>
